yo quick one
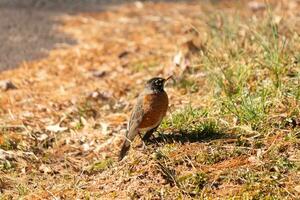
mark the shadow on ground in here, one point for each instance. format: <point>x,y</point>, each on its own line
<point>190,137</point>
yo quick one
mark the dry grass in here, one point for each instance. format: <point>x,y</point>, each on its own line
<point>232,131</point>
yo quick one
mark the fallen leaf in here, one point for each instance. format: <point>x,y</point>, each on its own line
<point>178,59</point>
<point>99,74</point>
<point>85,147</point>
<point>255,6</point>
<point>254,160</point>
<point>7,85</point>
<point>139,4</point>
<point>98,95</point>
<point>56,128</point>
<point>104,128</point>
<point>44,169</point>
<point>83,121</point>
<point>123,54</point>
<point>297,188</point>
<point>42,137</point>
<point>7,155</point>
<point>190,47</point>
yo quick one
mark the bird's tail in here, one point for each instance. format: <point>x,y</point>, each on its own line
<point>124,149</point>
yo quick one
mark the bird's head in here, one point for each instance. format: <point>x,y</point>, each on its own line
<point>157,84</point>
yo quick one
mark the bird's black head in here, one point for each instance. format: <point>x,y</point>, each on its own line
<point>156,84</point>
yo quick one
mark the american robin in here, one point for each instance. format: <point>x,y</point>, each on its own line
<point>148,112</point>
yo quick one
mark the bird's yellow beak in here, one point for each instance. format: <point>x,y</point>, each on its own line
<point>170,77</point>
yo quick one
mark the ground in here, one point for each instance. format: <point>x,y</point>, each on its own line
<point>28,28</point>
<point>232,129</point>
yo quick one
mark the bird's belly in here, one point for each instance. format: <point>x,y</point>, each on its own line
<point>155,108</point>
<point>150,126</point>
<point>150,121</point>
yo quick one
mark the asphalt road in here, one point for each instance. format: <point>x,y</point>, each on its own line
<point>27,27</point>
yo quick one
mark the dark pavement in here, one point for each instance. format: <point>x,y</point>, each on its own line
<point>27,27</point>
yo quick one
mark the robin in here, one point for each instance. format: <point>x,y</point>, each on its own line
<point>148,112</point>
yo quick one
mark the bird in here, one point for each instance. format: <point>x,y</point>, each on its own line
<point>150,109</point>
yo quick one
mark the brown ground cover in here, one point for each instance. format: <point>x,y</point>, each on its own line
<point>61,128</point>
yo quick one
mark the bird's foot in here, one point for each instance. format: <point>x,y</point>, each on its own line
<point>143,146</point>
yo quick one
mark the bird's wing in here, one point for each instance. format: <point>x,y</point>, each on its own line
<point>132,129</point>
<point>135,118</point>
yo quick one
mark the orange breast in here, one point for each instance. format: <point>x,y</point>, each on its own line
<point>155,108</point>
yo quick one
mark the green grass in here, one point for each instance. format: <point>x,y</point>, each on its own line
<point>188,85</point>
<point>141,65</point>
<point>22,190</point>
<point>189,125</point>
<point>183,119</point>
<point>99,166</point>
<point>193,183</point>
<point>254,69</point>
<point>7,165</point>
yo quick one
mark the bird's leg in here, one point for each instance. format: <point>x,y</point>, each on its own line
<point>143,143</point>
<point>148,134</point>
